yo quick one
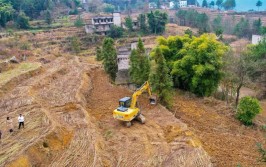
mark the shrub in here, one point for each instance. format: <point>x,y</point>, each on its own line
<point>73,12</point>
<point>115,32</point>
<point>247,109</point>
<point>22,21</point>
<point>108,8</point>
<point>262,151</point>
<point>79,22</point>
<point>75,44</point>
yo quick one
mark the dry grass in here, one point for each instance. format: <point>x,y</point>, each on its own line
<point>21,69</point>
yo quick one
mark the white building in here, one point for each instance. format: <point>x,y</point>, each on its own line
<point>182,3</point>
<point>152,5</point>
<point>102,24</point>
<point>171,4</point>
<point>256,39</point>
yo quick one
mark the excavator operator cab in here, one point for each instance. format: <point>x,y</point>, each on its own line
<point>124,104</point>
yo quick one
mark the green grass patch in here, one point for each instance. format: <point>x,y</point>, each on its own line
<point>19,70</point>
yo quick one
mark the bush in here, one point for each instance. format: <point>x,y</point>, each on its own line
<point>22,21</point>
<point>73,12</point>
<point>116,32</point>
<point>247,109</point>
<point>75,44</point>
<point>108,8</point>
<point>79,22</point>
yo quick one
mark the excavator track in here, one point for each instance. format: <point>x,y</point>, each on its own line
<point>128,124</point>
<point>141,118</point>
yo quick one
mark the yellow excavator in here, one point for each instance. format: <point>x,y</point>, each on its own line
<point>128,110</point>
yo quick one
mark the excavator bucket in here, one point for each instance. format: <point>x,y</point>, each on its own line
<point>153,100</point>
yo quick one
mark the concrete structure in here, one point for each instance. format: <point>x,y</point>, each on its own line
<point>102,24</point>
<point>152,5</point>
<point>117,19</point>
<point>182,4</point>
<point>122,76</point>
<point>171,4</point>
<point>256,39</point>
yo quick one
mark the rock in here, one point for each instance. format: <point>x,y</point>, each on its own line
<point>13,60</point>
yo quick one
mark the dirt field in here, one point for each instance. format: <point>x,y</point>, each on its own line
<point>68,109</point>
<point>224,138</point>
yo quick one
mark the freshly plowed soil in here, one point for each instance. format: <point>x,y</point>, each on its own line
<point>226,140</point>
<point>68,108</point>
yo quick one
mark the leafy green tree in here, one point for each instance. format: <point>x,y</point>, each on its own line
<point>6,13</point>
<point>171,48</point>
<point>161,80</point>
<point>22,21</point>
<point>259,4</point>
<point>247,109</point>
<point>129,23</point>
<point>108,8</point>
<point>142,23</point>
<point>48,17</point>
<point>212,4</point>
<point>229,4</point>
<point>199,66</point>
<point>189,32</point>
<point>99,55</point>
<point>158,4</point>
<point>202,23</point>
<point>242,28</point>
<point>194,19</point>
<point>257,69</point>
<point>115,32</point>
<point>217,25</point>
<point>181,14</point>
<point>192,2</point>
<point>109,58</point>
<point>204,4</point>
<point>157,21</point>
<point>139,64</point>
<point>79,22</point>
<point>219,3</point>
<point>73,11</point>
<point>49,4</point>
<point>263,30</point>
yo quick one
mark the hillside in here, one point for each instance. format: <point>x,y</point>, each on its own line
<point>67,101</point>
<point>68,109</point>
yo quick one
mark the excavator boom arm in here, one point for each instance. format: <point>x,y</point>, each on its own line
<point>139,91</point>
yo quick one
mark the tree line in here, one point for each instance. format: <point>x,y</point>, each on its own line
<point>153,22</point>
<point>243,28</point>
<point>195,64</point>
<point>227,4</point>
<point>21,11</point>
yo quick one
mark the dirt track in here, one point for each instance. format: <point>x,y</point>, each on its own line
<point>68,110</point>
